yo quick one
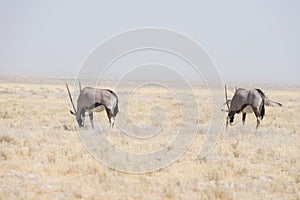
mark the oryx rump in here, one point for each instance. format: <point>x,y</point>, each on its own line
<point>95,100</point>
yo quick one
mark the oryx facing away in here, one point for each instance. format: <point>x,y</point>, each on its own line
<point>95,100</point>
<point>247,101</point>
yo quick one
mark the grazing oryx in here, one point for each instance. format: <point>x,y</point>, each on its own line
<point>247,101</point>
<point>95,100</point>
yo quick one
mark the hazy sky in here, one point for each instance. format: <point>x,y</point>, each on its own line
<point>248,40</point>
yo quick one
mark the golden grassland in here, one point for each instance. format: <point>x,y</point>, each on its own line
<point>41,156</point>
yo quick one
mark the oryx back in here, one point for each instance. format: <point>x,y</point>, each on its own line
<point>96,99</point>
<point>239,100</point>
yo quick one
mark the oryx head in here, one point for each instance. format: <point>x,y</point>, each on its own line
<point>230,116</point>
<point>78,115</point>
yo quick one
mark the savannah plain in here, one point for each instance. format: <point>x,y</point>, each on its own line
<point>42,157</point>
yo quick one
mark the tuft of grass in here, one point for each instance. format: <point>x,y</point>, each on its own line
<point>3,156</point>
<point>5,115</point>
<point>6,139</point>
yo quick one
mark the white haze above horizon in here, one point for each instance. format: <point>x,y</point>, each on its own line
<point>249,41</point>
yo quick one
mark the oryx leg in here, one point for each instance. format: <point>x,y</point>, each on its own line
<point>82,113</point>
<point>110,117</point>
<point>230,117</point>
<point>227,119</point>
<point>91,116</point>
<point>257,115</point>
<point>112,121</point>
<point>244,118</point>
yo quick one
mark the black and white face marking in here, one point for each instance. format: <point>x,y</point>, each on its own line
<point>79,121</point>
<point>231,117</point>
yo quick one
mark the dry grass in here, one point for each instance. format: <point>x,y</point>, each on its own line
<point>41,155</point>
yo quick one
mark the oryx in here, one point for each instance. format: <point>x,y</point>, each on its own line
<point>95,100</point>
<point>247,101</point>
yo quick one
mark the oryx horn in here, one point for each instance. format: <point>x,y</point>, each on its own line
<point>226,97</point>
<point>70,97</point>
<point>79,86</point>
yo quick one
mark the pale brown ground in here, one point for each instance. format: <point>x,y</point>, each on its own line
<point>41,156</point>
